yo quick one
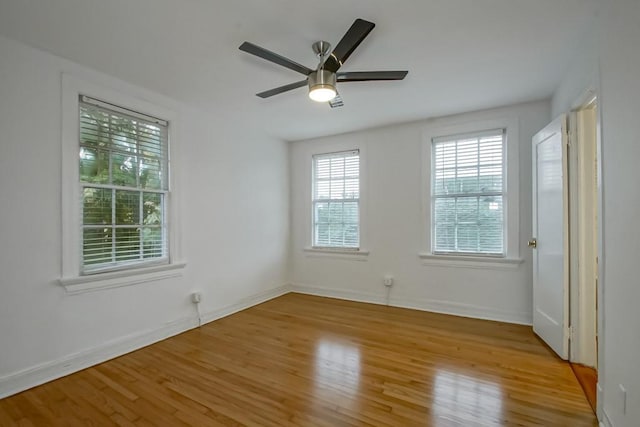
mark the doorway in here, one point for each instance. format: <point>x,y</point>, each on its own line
<point>583,237</point>
<point>565,241</point>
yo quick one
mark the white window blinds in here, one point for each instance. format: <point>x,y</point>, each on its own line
<point>336,199</point>
<point>123,178</point>
<point>468,193</point>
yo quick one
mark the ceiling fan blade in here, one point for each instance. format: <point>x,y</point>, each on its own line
<point>363,76</point>
<point>274,57</point>
<point>281,89</point>
<point>350,41</point>
<point>336,101</point>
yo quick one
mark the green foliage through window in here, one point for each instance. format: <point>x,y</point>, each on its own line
<point>123,175</point>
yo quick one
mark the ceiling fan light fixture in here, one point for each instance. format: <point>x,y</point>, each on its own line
<point>322,86</point>
<point>322,94</point>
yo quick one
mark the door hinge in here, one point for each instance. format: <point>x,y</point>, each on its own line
<point>570,333</point>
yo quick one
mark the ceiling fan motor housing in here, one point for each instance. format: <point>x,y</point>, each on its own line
<point>322,79</point>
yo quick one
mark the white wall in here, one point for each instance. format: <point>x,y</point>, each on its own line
<point>611,54</point>
<point>581,75</point>
<point>233,204</point>
<point>393,223</point>
<point>620,89</point>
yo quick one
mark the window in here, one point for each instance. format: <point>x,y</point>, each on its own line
<point>467,194</point>
<point>123,169</point>
<point>336,200</point>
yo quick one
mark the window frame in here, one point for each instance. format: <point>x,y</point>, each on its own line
<point>451,127</point>
<point>314,201</point>
<point>455,137</point>
<point>307,151</point>
<point>88,269</point>
<point>72,278</point>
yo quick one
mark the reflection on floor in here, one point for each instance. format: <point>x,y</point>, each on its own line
<point>454,394</point>
<point>307,361</point>
<point>337,364</point>
<point>588,379</point>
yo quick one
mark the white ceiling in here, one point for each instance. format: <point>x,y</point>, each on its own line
<point>462,55</point>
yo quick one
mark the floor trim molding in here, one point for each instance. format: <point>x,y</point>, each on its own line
<point>423,304</point>
<point>49,371</point>
<point>245,303</point>
<point>40,374</point>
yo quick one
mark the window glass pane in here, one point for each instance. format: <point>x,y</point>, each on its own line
<point>151,173</point>
<point>467,238</point>
<point>352,188</point>
<point>152,240</point>
<point>467,153</point>
<point>123,133</point>
<point>94,165</point>
<point>124,170</point>
<point>97,206</point>
<point>323,189</point>
<point>127,207</point>
<point>491,235</point>
<point>445,211</point>
<point>352,166</point>
<point>467,210</point>
<point>94,128</point>
<point>337,167</point>
<point>336,189</point>
<point>127,244</point>
<point>150,140</point>
<point>336,235</point>
<point>350,213</point>
<point>445,237</point>
<point>322,235</point>
<point>322,213</point>
<point>323,168</point>
<point>97,245</point>
<point>152,208</point>
<point>335,213</point>
<point>467,180</point>
<point>490,179</point>
<point>351,235</point>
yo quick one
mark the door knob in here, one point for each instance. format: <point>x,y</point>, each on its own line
<point>533,243</point>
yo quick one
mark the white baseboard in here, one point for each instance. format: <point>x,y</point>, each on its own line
<point>40,374</point>
<point>245,303</point>
<point>599,403</point>
<point>50,371</point>
<point>31,377</point>
<point>435,306</point>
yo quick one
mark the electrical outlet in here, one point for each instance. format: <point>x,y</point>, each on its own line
<point>388,281</point>
<point>623,396</point>
<point>196,297</point>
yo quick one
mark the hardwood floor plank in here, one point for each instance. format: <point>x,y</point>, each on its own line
<point>588,379</point>
<point>301,360</point>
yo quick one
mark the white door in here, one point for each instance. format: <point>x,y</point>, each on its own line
<point>550,240</point>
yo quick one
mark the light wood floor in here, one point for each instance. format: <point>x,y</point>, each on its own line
<point>309,361</point>
<point>588,380</point>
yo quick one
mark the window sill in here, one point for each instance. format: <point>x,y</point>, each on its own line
<point>461,261</point>
<point>117,279</point>
<point>354,254</point>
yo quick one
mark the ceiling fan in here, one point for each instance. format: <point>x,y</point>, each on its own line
<point>322,81</point>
